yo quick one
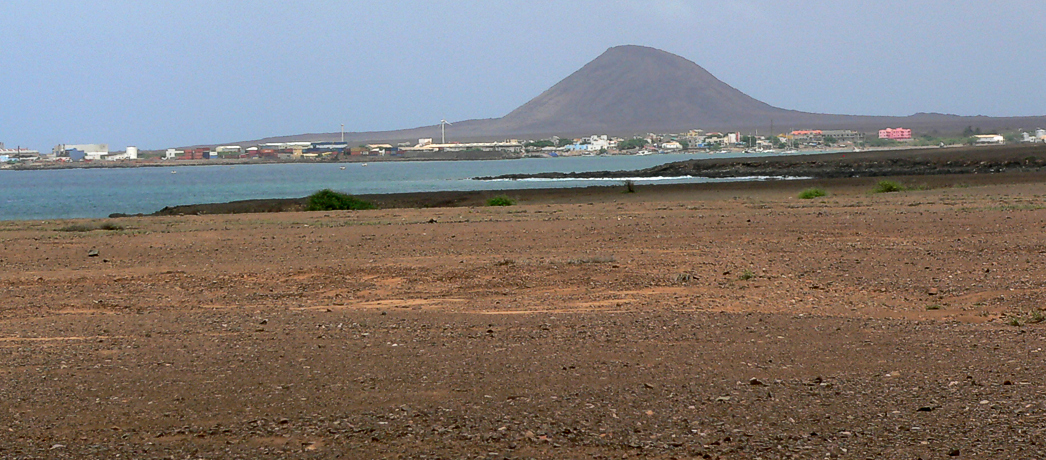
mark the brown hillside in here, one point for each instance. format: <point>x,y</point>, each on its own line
<point>636,89</point>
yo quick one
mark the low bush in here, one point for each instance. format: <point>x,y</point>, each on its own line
<point>812,193</point>
<point>501,200</point>
<point>888,186</point>
<point>91,227</point>
<point>329,200</point>
<point>111,226</point>
<point>1037,317</point>
<point>77,228</point>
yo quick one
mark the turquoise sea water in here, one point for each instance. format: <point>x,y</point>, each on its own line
<point>92,193</point>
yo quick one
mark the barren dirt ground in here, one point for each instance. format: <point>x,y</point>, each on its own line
<point>704,324</point>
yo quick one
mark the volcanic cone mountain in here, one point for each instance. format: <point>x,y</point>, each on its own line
<point>636,89</point>
<point>631,88</point>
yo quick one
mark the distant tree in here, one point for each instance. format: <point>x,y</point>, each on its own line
<point>685,144</point>
<point>796,144</point>
<point>967,132</point>
<point>564,142</point>
<point>539,144</point>
<point>630,144</point>
<point>830,140</point>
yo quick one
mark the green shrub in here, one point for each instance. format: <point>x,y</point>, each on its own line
<point>111,226</point>
<point>77,228</point>
<point>888,186</point>
<point>1037,317</point>
<point>501,200</point>
<point>812,193</point>
<point>746,275</point>
<point>329,200</point>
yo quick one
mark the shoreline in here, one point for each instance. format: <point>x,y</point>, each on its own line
<point>446,156</point>
<point>932,167</point>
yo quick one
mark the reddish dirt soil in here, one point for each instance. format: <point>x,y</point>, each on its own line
<point>735,321</point>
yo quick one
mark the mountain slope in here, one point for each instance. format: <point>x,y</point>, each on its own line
<point>636,89</point>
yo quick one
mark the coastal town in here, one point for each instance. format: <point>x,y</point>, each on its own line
<point>693,141</point>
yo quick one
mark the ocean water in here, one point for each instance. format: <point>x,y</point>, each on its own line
<point>93,193</point>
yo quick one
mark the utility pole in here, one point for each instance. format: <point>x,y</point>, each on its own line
<point>343,132</point>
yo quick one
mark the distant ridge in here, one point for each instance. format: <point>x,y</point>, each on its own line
<point>636,89</point>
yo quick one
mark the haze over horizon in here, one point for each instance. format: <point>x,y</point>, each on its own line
<point>164,74</point>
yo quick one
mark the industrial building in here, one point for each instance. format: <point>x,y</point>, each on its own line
<point>130,154</point>
<point>82,152</point>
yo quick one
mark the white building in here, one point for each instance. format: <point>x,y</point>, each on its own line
<point>91,151</point>
<point>228,149</point>
<point>591,144</point>
<point>989,139</point>
<point>130,154</point>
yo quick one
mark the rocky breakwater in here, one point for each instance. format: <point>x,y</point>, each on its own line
<point>966,160</point>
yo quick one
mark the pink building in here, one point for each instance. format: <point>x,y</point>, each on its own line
<point>899,134</point>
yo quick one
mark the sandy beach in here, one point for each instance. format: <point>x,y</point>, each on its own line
<point>686,321</point>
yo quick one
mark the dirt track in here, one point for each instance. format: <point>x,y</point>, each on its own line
<point>730,322</point>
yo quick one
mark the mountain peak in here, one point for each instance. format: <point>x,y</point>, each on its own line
<point>632,87</point>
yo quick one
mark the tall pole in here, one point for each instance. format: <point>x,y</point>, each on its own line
<point>343,132</point>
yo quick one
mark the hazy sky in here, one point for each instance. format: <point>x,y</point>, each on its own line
<point>159,74</point>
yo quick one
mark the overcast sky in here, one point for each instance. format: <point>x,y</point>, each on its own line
<point>158,74</point>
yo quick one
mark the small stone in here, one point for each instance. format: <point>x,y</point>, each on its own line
<point>953,453</point>
<point>756,382</point>
<point>932,291</point>
<point>92,253</point>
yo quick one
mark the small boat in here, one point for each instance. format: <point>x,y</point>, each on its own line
<point>342,167</point>
<point>364,164</point>
<point>174,172</point>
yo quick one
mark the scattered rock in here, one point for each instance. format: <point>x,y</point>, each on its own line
<point>92,253</point>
